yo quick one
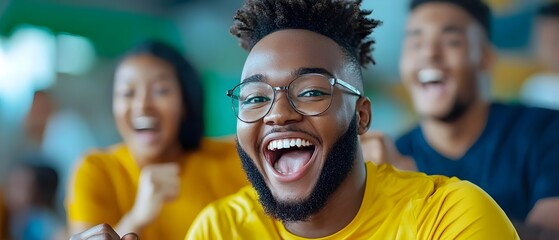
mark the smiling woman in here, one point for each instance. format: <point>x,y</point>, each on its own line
<point>164,172</point>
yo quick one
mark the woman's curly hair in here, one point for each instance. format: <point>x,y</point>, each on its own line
<point>341,20</point>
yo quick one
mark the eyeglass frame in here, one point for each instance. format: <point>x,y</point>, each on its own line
<point>332,80</point>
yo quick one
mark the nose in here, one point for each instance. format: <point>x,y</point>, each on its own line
<point>142,102</point>
<point>281,112</point>
<point>431,52</point>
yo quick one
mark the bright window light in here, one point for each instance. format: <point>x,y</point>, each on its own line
<point>27,64</point>
<point>75,54</point>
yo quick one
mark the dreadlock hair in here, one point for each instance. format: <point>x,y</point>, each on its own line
<point>340,20</point>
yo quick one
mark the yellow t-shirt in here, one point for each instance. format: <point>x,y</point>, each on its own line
<point>104,187</point>
<point>396,205</point>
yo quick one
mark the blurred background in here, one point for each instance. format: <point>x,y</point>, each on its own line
<point>67,50</point>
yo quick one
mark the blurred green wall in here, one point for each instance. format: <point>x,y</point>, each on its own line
<point>112,32</point>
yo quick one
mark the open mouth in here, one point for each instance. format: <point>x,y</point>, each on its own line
<point>145,123</point>
<point>289,155</point>
<point>146,129</point>
<point>430,76</point>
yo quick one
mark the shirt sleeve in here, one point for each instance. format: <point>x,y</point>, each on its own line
<point>461,210</point>
<point>90,197</point>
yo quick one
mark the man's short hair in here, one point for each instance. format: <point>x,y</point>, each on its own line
<point>340,20</point>
<point>549,10</point>
<point>475,8</point>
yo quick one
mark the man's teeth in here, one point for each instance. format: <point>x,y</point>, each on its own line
<point>429,75</point>
<point>288,143</point>
<point>144,122</point>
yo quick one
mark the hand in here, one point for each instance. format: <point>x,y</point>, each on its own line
<point>158,184</point>
<point>102,232</point>
<point>380,149</point>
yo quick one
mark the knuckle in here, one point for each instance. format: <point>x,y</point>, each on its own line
<point>130,236</point>
<point>105,228</point>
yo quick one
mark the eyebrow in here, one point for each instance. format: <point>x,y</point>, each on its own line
<point>453,29</point>
<point>413,32</point>
<point>295,73</point>
<point>306,70</point>
<point>253,78</point>
<point>446,29</point>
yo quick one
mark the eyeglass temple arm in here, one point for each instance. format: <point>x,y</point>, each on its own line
<point>230,94</point>
<point>348,86</point>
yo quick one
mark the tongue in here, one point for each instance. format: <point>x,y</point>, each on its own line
<point>434,90</point>
<point>292,161</point>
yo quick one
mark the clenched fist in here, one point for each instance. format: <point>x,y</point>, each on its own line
<point>102,232</point>
<point>158,184</point>
<point>380,149</point>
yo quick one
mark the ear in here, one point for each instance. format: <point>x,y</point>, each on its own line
<point>488,57</point>
<point>364,114</point>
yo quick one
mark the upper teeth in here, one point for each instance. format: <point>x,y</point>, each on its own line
<point>144,122</point>
<point>288,143</point>
<point>428,75</point>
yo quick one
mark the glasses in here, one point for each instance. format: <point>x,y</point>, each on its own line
<point>309,94</point>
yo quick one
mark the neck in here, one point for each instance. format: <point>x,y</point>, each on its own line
<point>453,139</point>
<point>170,154</point>
<point>333,217</point>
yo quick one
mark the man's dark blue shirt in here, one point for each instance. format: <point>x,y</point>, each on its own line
<point>515,159</point>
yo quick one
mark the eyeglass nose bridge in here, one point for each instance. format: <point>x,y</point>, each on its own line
<point>281,88</point>
<point>289,100</point>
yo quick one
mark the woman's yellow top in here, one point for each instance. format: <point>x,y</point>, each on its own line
<point>104,187</point>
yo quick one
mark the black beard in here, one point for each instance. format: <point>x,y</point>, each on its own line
<point>458,109</point>
<point>337,166</point>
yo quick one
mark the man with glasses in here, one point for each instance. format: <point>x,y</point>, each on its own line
<point>300,110</point>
